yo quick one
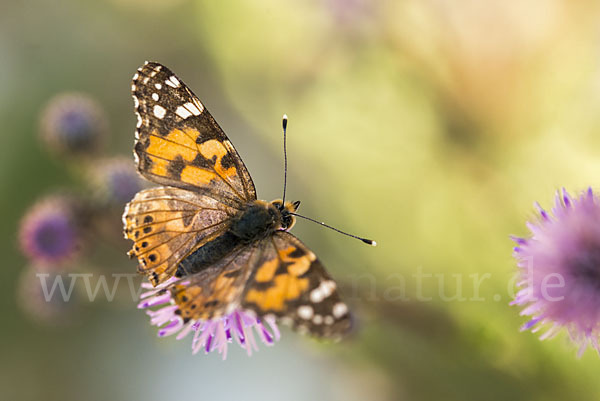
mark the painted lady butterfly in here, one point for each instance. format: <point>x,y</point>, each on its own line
<point>206,225</point>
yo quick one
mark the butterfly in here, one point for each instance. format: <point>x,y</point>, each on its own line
<point>204,227</point>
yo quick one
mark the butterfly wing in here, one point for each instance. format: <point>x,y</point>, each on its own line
<point>216,291</point>
<point>168,223</point>
<point>291,283</point>
<point>178,142</point>
<point>276,276</point>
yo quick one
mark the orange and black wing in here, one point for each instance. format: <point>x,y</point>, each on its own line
<point>276,276</point>
<point>217,290</point>
<point>167,224</point>
<point>292,284</point>
<point>179,144</point>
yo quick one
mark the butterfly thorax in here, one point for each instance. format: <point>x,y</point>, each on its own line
<point>259,219</point>
<point>256,221</point>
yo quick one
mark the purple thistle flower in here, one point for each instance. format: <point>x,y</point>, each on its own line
<point>560,270</point>
<point>73,124</point>
<point>50,233</point>
<point>116,180</point>
<point>209,335</point>
<point>42,304</point>
<point>350,13</point>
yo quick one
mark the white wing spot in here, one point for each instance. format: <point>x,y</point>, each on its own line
<point>324,290</point>
<point>193,108</point>
<point>340,309</point>
<point>305,312</point>
<point>329,320</point>
<point>145,80</point>
<point>317,319</point>
<point>136,102</point>
<point>159,111</point>
<point>139,120</point>
<point>173,82</point>
<point>132,87</point>
<point>136,76</point>
<point>316,295</point>
<point>158,86</point>
<point>155,97</point>
<point>183,112</point>
<point>328,287</point>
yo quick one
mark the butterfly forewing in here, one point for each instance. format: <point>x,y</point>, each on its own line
<point>178,142</point>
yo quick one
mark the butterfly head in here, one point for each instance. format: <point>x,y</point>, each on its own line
<point>286,210</point>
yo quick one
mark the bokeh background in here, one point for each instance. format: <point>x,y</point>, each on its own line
<point>428,125</point>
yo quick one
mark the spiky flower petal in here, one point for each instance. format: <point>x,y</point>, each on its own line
<point>209,335</point>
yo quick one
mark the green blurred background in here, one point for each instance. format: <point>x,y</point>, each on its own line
<point>428,125</point>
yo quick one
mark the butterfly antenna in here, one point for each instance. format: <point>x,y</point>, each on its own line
<point>284,123</point>
<point>366,241</point>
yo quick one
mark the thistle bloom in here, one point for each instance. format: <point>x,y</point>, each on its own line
<point>560,270</point>
<point>116,180</point>
<point>73,124</point>
<point>51,233</point>
<point>350,12</point>
<point>209,335</point>
<point>36,298</point>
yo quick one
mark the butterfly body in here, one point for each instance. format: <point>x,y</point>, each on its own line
<point>203,234</point>
<point>257,221</point>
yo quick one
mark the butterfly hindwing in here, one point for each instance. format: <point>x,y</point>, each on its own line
<point>178,142</point>
<point>276,276</point>
<point>167,223</point>
<point>216,291</point>
<point>292,284</point>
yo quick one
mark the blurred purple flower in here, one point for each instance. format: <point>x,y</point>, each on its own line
<point>73,124</point>
<point>51,232</point>
<point>350,12</point>
<point>560,270</point>
<point>209,335</point>
<point>41,303</point>
<point>116,180</point>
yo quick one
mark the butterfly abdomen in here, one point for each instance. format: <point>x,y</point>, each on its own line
<point>208,254</point>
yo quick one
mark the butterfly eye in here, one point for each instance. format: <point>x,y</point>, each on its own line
<point>287,221</point>
<point>278,204</point>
